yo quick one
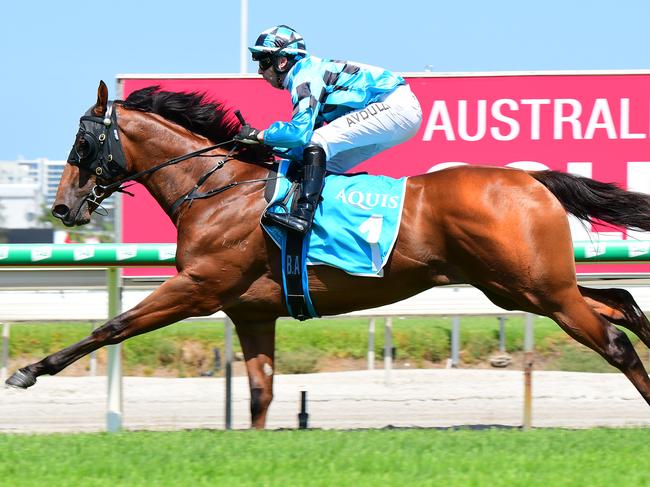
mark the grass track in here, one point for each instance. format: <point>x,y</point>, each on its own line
<point>600,457</point>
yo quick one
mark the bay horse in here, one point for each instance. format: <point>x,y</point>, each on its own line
<point>504,231</point>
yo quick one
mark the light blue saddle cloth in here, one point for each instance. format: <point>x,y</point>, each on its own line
<point>356,224</point>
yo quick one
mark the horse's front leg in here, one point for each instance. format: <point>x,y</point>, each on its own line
<point>176,299</point>
<point>258,344</point>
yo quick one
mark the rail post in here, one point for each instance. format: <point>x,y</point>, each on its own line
<point>502,334</point>
<point>228,326</point>
<point>5,352</point>
<point>114,372</point>
<point>371,344</point>
<point>388,349</point>
<point>528,372</point>
<point>455,342</point>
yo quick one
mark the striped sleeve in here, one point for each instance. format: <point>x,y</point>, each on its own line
<point>306,90</point>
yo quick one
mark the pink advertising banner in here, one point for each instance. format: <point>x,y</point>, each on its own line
<point>596,125</point>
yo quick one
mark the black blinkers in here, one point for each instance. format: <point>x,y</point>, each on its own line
<point>97,146</point>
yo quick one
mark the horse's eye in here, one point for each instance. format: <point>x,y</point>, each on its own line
<point>83,146</point>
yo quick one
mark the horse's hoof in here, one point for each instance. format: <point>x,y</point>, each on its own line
<point>21,380</point>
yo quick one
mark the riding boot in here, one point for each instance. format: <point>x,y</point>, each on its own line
<point>301,218</point>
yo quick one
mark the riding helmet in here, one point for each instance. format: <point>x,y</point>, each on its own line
<point>280,40</point>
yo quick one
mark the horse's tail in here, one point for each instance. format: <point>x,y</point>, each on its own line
<point>591,200</point>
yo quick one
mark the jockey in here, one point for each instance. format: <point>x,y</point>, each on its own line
<point>343,113</point>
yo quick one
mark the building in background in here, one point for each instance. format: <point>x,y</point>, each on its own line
<point>51,175</point>
<point>21,194</point>
<point>27,191</point>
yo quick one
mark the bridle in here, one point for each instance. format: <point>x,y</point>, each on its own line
<point>98,149</point>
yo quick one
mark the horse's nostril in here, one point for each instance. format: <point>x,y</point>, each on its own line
<point>60,211</point>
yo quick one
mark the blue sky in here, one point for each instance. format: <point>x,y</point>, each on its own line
<point>53,54</point>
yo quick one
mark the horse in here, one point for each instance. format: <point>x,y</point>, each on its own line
<point>504,231</point>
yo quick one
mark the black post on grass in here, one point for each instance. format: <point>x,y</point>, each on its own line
<point>217,360</point>
<point>303,417</point>
<point>502,334</point>
<point>228,326</point>
<point>4,358</point>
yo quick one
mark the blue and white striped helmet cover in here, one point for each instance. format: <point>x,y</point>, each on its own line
<point>275,39</point>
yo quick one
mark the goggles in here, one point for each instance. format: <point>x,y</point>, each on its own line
<point>265,59</point>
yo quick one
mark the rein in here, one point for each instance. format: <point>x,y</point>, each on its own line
<point>117,186</point>
<point>99,191</point>
<point>194,194</point>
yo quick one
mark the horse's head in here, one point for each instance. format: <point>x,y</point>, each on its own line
<point>95,161</point>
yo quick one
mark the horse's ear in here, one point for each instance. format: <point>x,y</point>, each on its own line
<point>102,100</point>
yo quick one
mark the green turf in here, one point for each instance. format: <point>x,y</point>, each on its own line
<point>601,457</point>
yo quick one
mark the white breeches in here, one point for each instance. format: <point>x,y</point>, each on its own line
<point>359,135</point>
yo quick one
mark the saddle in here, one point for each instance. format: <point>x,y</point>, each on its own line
<point>355,228</point>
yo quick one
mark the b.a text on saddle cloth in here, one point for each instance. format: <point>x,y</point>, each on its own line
<point>356,223</point>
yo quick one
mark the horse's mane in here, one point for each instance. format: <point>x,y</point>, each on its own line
<point>211,119</point>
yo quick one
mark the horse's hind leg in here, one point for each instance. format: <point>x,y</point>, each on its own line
<point>579,320</point>
<point>585,320</point>
<point>258,345</point>
<point>619,307</point>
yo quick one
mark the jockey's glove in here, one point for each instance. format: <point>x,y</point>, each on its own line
<point>248,135</point>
